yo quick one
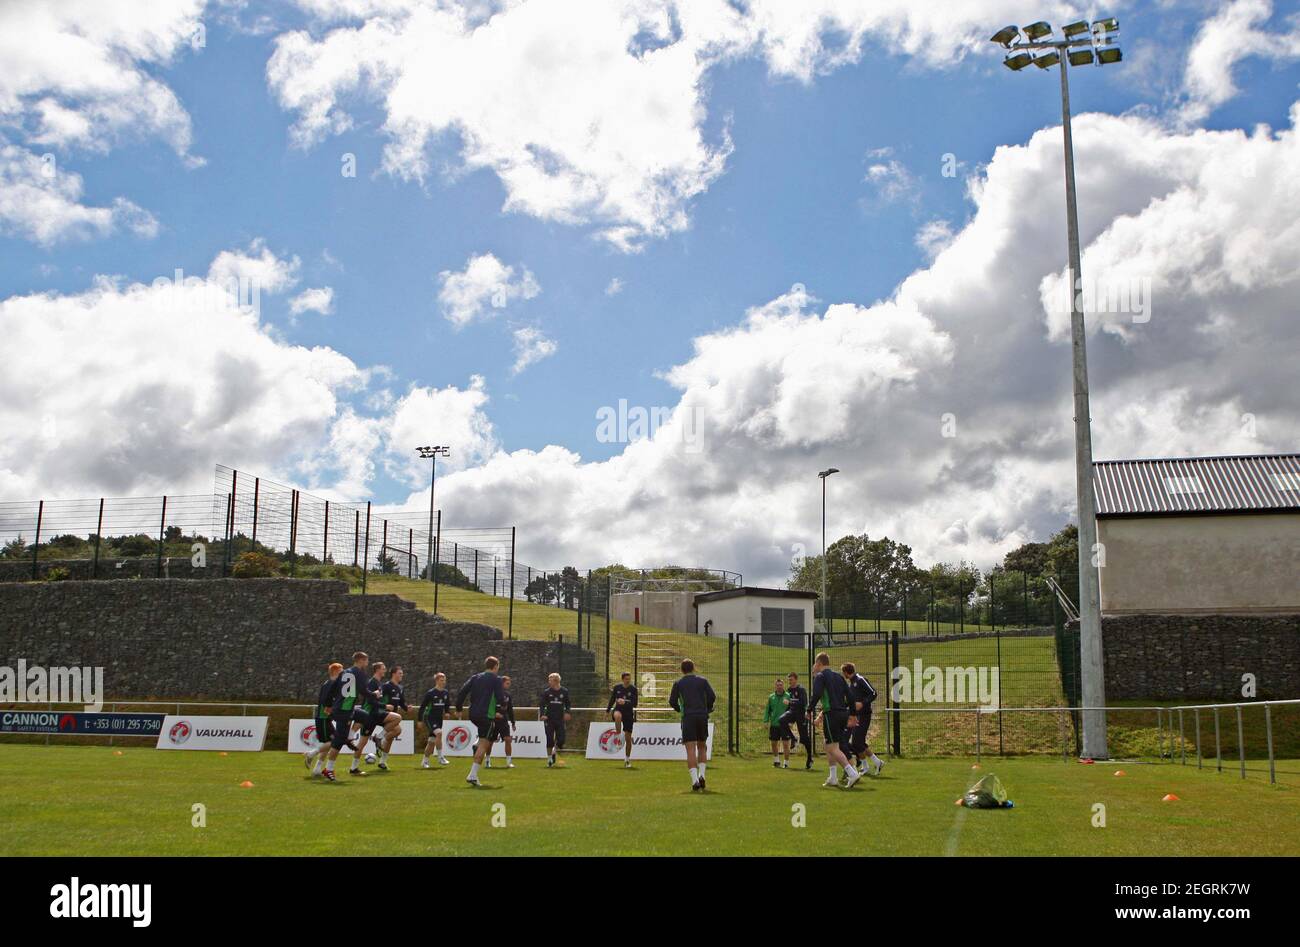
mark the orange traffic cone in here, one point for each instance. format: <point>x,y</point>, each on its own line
<point>246,784</point>
<point>117,752</point>
<point>1120,772</point>
<point>975,766</point>
<point>223,753</point>
<point>1171,798</point>
<point>960,802</point>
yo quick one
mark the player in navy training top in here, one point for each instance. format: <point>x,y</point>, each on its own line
<point>830,695</point>
<point>485,695</point>
<point>432,711</point>
<point>693,698</point>
<point>393,705</point>
<point>505,726</point>
<point>553,707</point>
<point>347,705</point>
<point>622,702</point>
<point>861,696</point>
<point>314,758</point>
<point>798,714</point>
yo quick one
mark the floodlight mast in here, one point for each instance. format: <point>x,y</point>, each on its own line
<point>1091,670</point>
<point>432,453</point>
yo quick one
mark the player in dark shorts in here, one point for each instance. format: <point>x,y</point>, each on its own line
<point>693,698</point>
<point>504,726</point>
<point>314,759</point>
<point>485,695</point>
<point>830,694</point>
<point>622,701</point>
<point>778,733</point>
<point>432,710</point>
<point>861,695</point>
<point>797,715</point>
<point>377,717</point>
<point>553,707</point>
<point>347,705</point>
<point>393,698</point>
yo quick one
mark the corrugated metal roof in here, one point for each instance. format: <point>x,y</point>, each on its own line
<point>1174,485</point>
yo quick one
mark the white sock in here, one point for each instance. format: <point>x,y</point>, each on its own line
<point>329,765</point>
<point>426,759</point>
<point>473,771</point>
<point>850,772</point>
<point>702,765</point>
<point>875,759</point>
<point>695,775</point>
<point>315,768</point>
<point>835,772</point>
<point>507,758</point>
<point>383,756</point>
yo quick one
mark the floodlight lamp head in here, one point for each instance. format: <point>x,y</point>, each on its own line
<point>1109,55</point>
<point>1006,36</point>
<point>1080,57</point>
<point>827,472</point>
<point>1018,61</point>
<point>1071,30</point>
<point>1036,31</point>
<point>1047,60</point>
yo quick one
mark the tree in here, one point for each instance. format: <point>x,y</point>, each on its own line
<point>387,564</point>
<point>16,548</point>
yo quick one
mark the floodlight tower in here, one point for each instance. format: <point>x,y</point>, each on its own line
<point>1081,44</point>
<point>432,454</point>
<point>823,474</point>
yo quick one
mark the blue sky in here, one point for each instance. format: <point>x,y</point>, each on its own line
<point>794,204</point>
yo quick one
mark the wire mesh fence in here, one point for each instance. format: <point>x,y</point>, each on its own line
<point>1005,599</point>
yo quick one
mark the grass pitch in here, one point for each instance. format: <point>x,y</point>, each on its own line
<point>83,800</point>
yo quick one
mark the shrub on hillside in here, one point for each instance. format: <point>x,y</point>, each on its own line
<point>255,565</point>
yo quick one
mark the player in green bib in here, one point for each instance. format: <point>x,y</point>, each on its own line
<point>778,702</point>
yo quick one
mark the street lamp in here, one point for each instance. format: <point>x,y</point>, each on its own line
<point>823,474</point>
<point>1081,44</point>
<point>431,453</point>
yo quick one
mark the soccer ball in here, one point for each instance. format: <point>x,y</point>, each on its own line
<point>370,758</point>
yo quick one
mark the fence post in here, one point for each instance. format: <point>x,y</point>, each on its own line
<point>410,551</point>
<point>977,736</point>
<point>998,636</point>
<point>905,611</point>
<point>731,691</point>
<point>510,615</point>
<point>162,533</point>
<point>1160,735</point>
<point>437,554</point>
<point>293,532</point>
<point>325,541</point>
<point>99,528</point>
<point>356,537</point>
<point>1218,755</point>
<point>1268,734</point>
<point>1182,741</point>
<point>1196,715</point>
<point>36,546</point>
<point>1241,744</point>
<point>898,724</point>
<point>1065,746</point>
<point>609,585</point>
<point>365,563</point>
<point>257,490</point>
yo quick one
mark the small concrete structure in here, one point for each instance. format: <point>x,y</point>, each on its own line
<point>667,610</point>
<point>773,613</point>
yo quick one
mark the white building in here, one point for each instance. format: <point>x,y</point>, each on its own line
<point>773,613</point>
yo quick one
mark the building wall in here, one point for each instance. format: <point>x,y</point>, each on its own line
<point>251,639</point>
<point>1201,564</point>
<point>743,614</point>
<point>1201,657</point>
<point>729,615</point>
<point>671,611</point>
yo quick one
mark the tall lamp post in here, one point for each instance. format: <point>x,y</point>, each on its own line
<point>431,454</point>
<point>823,474</point>
<point>1081,44</point>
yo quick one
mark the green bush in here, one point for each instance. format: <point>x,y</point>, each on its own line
<point>255,565</point>
<point>57,574</point>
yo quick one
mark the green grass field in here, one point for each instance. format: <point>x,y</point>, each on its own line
<point>82,800</point>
